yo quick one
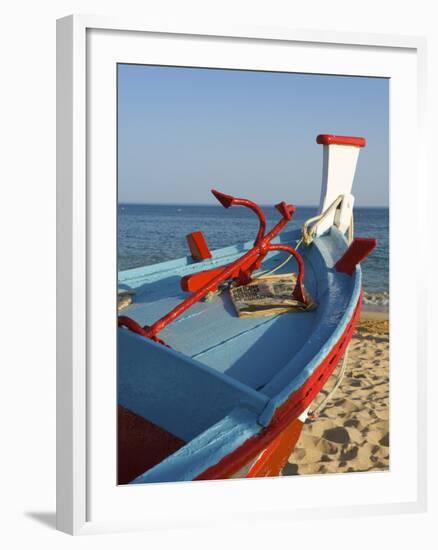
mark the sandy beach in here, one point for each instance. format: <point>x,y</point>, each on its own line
<point>351,433</point>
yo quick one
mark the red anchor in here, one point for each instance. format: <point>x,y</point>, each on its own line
<point>239,271</point>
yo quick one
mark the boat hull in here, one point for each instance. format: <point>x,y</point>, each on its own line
<point>264,455</point>
<point>232,390</point>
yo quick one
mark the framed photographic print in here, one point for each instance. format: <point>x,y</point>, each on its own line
<point>237,320</point>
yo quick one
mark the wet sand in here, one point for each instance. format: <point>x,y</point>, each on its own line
<point>351,433</point>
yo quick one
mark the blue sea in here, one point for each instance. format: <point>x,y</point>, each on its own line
<point>148,234</point>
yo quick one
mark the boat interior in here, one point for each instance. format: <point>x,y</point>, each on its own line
<point>218,361</point>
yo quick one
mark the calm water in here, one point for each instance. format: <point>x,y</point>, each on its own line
<point>153,233</point>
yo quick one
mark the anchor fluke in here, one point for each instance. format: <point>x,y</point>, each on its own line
<point>286,210</point>
<point>223,198</point>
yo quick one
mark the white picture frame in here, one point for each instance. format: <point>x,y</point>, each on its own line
<point>85,501</point>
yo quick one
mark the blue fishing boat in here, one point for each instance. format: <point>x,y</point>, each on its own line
<point>216,372</point>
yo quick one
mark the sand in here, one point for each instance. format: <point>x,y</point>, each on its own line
<point>351,433</point>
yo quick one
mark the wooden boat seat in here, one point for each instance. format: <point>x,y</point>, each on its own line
<point>175,392</point>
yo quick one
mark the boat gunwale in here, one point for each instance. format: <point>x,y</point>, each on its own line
<point>233,462</point>
<point>310,366</point>
<point>161,269</point>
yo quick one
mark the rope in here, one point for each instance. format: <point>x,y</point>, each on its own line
<point>309,226</point>
<point>313,414</point>
<point>308,234</point>
<point>276,268</point>
<point>350,233</point>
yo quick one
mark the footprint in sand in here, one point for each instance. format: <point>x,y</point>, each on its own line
<point>352,432</point>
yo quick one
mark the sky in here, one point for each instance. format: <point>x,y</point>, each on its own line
<point>183,131</point>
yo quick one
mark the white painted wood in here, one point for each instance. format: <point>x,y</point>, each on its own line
<point>243,32</point>
<point>303,416</point>
<point>338,169</point>
<point>344,212</point>
<point>71,278</point>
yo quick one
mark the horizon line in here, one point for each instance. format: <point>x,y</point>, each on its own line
<point>129,203</point>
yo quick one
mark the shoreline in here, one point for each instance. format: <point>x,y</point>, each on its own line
<point>373,315</point>
<point>374,312</point>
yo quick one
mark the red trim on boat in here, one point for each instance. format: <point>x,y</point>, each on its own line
<point>287,412</point>
<point>140,445</point>
<point>356,252</point>
<point>274,457</point>
<point>330,139</point>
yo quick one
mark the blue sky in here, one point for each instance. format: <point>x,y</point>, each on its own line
<point>182,131</point>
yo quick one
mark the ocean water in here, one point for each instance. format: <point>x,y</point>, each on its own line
<point>148,234</point>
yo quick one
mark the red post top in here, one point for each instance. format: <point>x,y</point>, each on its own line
<point>356,252</point>
<point>198,246</point>
<point>330,139</point>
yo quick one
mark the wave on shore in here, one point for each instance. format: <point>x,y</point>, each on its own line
<point>376,299</point>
